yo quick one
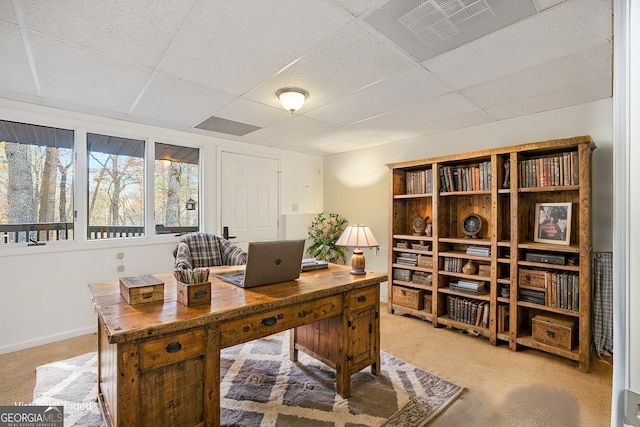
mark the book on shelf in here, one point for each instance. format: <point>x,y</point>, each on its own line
<point>479,250</point>
<point>560,289</point>
<point>419,182</point>
<point>407,259</point>
<point>466,178</point>
<point>556,170</point>
<point>503,318</point>
<point>453,265</point>
<point>468,311</point>
<point>467,289</point>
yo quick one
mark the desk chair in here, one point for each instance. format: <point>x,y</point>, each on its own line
<point>199,250</point>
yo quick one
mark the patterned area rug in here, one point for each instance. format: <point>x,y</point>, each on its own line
<point>262,387</point>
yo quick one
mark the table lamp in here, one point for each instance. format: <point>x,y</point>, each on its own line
<point>358,236</point>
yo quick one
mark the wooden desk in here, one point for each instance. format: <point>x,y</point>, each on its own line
<point>159,363</point>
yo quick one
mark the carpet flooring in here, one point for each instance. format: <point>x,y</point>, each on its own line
<point>262,387</point>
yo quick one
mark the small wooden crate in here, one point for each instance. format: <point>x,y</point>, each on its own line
<point>425,261</point>
<point>407,297</point>
<point>191,294</point>
<point>141,289</point>
<point>558,332</point>
<point>533,279</point>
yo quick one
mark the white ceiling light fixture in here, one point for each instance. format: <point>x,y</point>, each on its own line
<point>292,98</point>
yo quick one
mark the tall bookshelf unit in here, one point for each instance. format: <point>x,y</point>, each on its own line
<point>502,281</point>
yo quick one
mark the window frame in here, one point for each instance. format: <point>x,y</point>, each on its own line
<point>80,130</point>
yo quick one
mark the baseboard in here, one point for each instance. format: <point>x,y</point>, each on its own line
<point>46,340</point>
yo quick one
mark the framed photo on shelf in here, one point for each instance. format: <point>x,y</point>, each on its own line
<point>553,223</point>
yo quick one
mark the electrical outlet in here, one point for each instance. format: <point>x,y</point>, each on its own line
<point>120,268</point>
<point>120,255</point>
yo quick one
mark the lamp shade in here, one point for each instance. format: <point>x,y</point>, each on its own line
<point>358,236</point>
<point>292,98</point>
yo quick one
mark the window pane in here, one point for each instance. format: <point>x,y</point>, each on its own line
<point>116,186</point>
<point>176,189</point>
<point>36,177</point>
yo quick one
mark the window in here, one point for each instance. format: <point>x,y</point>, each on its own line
<point>115,187</point>
<point>176,188</point>
<point>36,178</point>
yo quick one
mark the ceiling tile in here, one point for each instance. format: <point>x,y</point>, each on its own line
<point>82,76</point>
<point>573,70</point>
<point>410,122</point>
<point>407,87</point>
<point>253,113</point>
<point>16,73</point>
<point>6,12</point>
<point>174,100</point>
<point>357,7</point>
<point>569,27</point>
<point>138,31</point>
<point>350,59</point>
<point>287,131</point>
<point>259,38</point>
<point>564,97</point>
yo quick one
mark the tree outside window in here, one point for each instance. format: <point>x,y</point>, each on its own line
<point>176,188</point>
<point>36,183</point>
<point>115,187</point>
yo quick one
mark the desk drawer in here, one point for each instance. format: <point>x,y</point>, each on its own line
<point>171,349</point>
<point>274,321</point>
<point>363,298</point>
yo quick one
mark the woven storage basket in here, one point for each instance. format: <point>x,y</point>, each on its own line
<point>406,297</point>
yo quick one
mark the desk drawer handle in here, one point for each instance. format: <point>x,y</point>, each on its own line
<point>551,334</point>
<point>362,298</point>
<point>270,321</point>
<point>173,347</point>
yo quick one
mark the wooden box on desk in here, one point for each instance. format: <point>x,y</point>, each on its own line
<point>191,294</point>
<point>141,289</point>
<point>558,332</point>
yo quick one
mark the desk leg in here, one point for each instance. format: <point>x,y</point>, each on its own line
<point>293,351</point>
<point>212,377</point>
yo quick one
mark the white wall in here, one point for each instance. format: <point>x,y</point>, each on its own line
<point>357,182</point>
<point>45,296</point>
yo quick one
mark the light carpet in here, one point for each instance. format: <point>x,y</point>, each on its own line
<point>262,387</point>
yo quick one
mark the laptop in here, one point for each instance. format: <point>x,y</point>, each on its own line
<point>268,262</point>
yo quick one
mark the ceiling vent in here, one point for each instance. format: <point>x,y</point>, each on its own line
<point>230,127</point>
<point>426,28</point>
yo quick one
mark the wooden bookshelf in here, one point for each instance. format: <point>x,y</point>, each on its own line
<point>518,191</point>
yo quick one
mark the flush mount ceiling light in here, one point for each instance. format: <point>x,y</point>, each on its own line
<point>292,98</point>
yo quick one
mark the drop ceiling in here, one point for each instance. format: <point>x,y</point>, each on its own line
<point>377,72</point>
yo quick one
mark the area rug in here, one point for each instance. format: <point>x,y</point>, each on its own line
<point>262,387</point>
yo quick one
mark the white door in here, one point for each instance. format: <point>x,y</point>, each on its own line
<point>249,197</point>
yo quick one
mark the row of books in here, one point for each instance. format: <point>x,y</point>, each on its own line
<point>550,171</point>
<point>470,311</point>
<point>419,182</point>
<point>453,265</point>
<point>466,178</point>
<point>562,291</point>
<point>471,287</point>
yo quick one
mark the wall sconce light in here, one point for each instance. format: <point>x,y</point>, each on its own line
<point>358,236</point>
<point>292,98</point>
<point>191,204</point>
